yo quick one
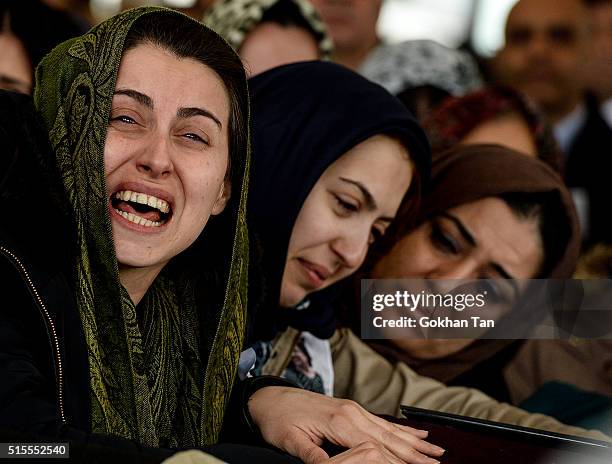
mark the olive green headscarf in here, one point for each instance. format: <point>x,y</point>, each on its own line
<point>161,373</point>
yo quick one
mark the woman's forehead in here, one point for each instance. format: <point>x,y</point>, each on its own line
<point>162,75</point>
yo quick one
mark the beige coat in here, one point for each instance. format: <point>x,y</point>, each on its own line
<point>586,364</point>
<point>364,376</point>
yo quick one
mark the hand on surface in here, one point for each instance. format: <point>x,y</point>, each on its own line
<point>298,422</point>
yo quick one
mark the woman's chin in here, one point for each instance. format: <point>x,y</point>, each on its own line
<point>292,296</point>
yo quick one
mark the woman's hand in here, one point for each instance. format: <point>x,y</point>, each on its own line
<point>298,422</point>
<point>366,453</point>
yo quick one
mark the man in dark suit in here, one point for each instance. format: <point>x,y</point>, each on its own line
<point>545,57</point>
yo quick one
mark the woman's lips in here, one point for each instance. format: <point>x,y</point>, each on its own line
<point>316,274</point>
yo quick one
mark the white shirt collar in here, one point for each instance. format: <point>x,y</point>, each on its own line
<point>606,111</point>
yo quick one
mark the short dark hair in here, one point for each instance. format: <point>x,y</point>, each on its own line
<point>456,117</point>
<point>287,13</point>
<point>546,208</point>
<point>190,39</point>
<point>422,99</point>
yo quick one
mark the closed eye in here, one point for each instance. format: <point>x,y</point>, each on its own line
<point>124,119</point>
<point>196,138</point>
<point>442,241</point>
<point>346,206</point>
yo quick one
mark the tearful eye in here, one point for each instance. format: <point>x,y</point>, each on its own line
<point>123,119</point>
<point>442,241</point>
<point>196,138</point>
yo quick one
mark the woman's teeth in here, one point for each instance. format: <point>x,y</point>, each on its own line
<point>133,214</point>
<point>144,199</point>
<point>138,220</point>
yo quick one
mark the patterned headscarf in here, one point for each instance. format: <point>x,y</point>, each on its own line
<point>160,374</point>
<point>406,65</point>
<point>234,19</point>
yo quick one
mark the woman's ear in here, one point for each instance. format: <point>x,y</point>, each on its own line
<point>224,195</point>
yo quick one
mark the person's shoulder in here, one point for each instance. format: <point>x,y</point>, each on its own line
<point>34,238</point>
<point>595,124</point>
<point>594,137</point>
<point>15,109</point>
<point>14,101</point>
<point>22,134</point>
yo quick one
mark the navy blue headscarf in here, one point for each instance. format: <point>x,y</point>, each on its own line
<point>306,116</point>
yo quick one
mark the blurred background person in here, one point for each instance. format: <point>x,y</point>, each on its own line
<point>599,78</point>
<point>352,26</point>
<point>29,30</point>
<point>365,38</point>
<point>494,114</point>
<point>197,9</point>
<point>15,67</point>
<point>269,33</point>
<point>79,10</point>
<point>545,54</point>
<point>545,51</point>
<point>422,73</point>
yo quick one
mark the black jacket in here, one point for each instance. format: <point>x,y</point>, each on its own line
<point>589,165</point>
<point>44,373</point>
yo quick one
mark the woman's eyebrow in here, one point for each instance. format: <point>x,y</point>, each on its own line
<point>184,113</point>
<point>140,97</point>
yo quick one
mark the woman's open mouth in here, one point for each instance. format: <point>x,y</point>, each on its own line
<point>141,209</point>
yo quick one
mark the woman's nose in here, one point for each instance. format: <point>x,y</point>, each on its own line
<point>351,247</point>
<point>458,268</point>
<point>155,158</point>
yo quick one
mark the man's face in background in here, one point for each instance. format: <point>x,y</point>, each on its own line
<point>545,53</point>
<point>599,77</point>
<point>349,21</point>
